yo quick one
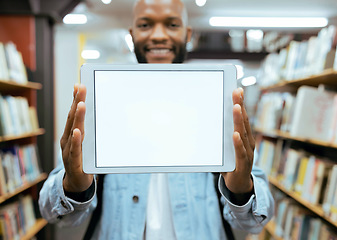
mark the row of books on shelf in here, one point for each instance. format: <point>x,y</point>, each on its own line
<point>301,59</point>
<point>19,165</point>
<point>17,218</point>
<point>311,177</point>
<point>16,116</point>
<point>12,67</point>
<point>311,113</point>
<point>294,222</point>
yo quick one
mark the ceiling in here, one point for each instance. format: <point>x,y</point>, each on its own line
<point>117,13</point>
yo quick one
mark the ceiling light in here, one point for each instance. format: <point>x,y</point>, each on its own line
<point>200,3</point>
<point>248,81</point>
<point>90,54</point>
<point>255,34</point>
<point>286,22</point>
<point>106,1</point>
<point>75,19</point>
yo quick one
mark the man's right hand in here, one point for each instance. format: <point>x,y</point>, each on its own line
<point>75,179</point>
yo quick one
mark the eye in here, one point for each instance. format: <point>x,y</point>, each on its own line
<point>174,25</point>
<point>143,25</point>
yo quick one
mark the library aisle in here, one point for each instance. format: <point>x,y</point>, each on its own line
<point>296,134</point>
<point>294,119</point>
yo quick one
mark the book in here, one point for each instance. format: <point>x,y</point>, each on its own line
<point>17,218</point>
<point>332,135</point>
<point>309,178</point>
<point>14,115</point>
<point>24,116</point>
<point>8,128</point>
<point>325,40</point>
<point>301,175</point>
<point>292,161</point>
<point>329,60</point>
<point>33,118</point>
<point>312,113</point>
<point>4,75</point>
<point>266,154</point>
<point>320,181</point>
<point>311,56</point>
<point>314,228</point>
<point>17,70</point>
<point>3,186</point>
<point>269,112</point>
<point>288,105</point>
<point>277,157</point>
<point>330,190</point>
<point>28,210</point>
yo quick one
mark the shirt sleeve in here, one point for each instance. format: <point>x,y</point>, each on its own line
<point>56,207</point>
<point>259,209</point>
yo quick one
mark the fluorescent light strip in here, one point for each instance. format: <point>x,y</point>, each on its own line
<point>272,22</point>
<point>75,19</point>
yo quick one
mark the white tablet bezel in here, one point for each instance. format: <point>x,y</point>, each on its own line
<point>89,143</point>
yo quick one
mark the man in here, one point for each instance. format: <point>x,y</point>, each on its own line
<point>158,206</point>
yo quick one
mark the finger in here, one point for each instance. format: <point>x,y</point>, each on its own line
<point>79,118</point>
<point>69,122</point>
<point>239,127</point>
<point>242,162</point>
<point>247,124</point>
<point>79,95</point>
<point>238,98</point>
<point>76,86</point>
<point>75,153</point>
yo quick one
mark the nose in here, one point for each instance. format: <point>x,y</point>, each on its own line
<point>159,33</point>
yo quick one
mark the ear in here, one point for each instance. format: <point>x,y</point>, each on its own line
<point>130,31</point>
<point>188,33</point>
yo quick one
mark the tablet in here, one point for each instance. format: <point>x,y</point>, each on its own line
<point>158,118</point>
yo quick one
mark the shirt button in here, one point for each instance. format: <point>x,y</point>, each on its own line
<point>135,199</point>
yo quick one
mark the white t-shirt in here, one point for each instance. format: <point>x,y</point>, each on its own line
<point>159,219</point>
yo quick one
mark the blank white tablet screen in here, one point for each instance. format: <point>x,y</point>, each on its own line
<point>159,118</point>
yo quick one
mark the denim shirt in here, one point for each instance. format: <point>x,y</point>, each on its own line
<point>194,203</point>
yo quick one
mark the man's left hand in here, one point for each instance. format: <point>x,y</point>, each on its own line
<point>239,181</point>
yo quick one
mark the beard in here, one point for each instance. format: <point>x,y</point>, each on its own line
<point>179,50</point>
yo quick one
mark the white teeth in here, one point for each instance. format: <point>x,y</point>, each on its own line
<point>159,51</point>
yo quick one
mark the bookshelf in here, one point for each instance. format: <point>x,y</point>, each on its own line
<point>29,184</point>
<point>286,135</point>
<point>327,77</point>
<point>40,224</point>
<point>34,133</point>
<point>313,208</point>
<point>296,137</point>
<point>35,20</point>
<point>270,228</point>
<point>24,187</point>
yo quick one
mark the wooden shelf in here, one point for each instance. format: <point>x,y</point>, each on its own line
<point>39,224</point>
<point>24,187</point>
<point>271,229</point>
<point>285,135</point>
<point>327,77</point>
<point>313,208</point>
<point>10,85</point>
<point>38,132</point>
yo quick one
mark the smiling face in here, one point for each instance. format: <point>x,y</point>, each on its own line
<point>159,31</point>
